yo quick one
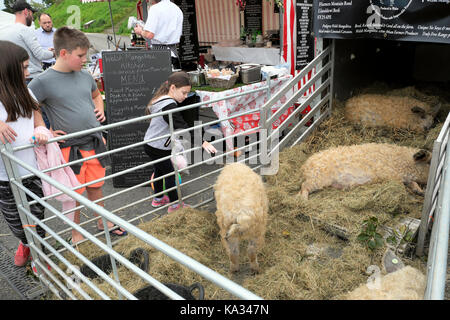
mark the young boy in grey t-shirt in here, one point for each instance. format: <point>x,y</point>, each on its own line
<point>72,102</point>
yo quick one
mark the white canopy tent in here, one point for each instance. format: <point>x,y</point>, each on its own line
<point>6,18</point>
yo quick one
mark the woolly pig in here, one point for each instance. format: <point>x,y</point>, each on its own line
<point>404,284</point>
<point>242,207</point>
<point>393,111</point>
<point>347,166</point>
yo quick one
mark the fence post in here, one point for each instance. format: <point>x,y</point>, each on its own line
<point>113,261</point>
<point>264,136</point>
<point>172,137</point>
<point>20,198</point>
<point>437,258</point>
<point>331,75</point>
<point>424,221</point>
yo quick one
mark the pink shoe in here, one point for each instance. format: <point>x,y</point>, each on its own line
<point>182,205</point>
<point>158,203</point>
<point>22,254</point>
<point>33,267</point>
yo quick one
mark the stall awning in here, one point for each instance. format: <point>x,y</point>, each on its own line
<point>218,20</point>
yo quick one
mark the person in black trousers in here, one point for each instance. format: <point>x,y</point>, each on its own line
<point>173,91</point>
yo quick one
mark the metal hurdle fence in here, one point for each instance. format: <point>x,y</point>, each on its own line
<point>57,280</point>
<point>435,216</point>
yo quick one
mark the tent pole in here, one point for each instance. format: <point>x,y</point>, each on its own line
<point>112,23</point>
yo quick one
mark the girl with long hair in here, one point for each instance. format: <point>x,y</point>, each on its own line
<point>19,115</point>
<point>174,90</point>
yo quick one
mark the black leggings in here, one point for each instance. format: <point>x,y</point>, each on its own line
<point>9,209</point>
<point>162,168</point>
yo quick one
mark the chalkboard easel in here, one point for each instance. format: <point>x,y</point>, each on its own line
<point>253,16</point>
<point>131,78</point>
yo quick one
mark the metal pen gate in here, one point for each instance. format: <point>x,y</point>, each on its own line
<point>435,216</point>
<point>292,131</point>
<point>57,280</point>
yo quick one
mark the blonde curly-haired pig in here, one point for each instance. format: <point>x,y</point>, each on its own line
<point>242,207</point>
<point>375,110</point>
<point>407,283</point>
<point>347,166</point>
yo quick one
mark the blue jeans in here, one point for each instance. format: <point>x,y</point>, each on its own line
<point>44,116</point>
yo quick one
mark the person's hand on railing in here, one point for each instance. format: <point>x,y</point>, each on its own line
<point>209,147</point>
<point>58,133</point>
<point>39,139</point>
<point>7,134</point>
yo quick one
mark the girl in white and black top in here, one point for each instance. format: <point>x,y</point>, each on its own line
<point>171,92</point>
<point>19,116</point>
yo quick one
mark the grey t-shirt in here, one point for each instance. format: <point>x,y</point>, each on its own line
<point>66,98</point>
<point>25,37</point>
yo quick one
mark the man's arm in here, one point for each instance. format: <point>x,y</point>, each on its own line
<point>143,33</point>
<point>99,106</point>
<point>148,31</point>
<point>33,44</point>
<point>38,120</point>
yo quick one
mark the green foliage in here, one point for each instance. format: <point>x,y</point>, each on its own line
<point>38,6</point>
<point>279,3</point>
<point>8,4</point>
<point>369,235</point>
<point>98,11</point>
<point>400,236</point>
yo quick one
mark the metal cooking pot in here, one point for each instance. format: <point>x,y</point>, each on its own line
<point>197,78</point>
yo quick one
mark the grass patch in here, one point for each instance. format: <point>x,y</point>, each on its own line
<point>62,14</point>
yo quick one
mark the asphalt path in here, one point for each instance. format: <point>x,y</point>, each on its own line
<point>99,41</point>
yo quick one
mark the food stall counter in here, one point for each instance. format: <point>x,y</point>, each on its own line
<point>251,101</point>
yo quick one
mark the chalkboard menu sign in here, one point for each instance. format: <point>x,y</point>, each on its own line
<point>253,15</point>
<point>305,41</point>
<point>407,20</point>
<point>131,78</point>
<point>188,50</point>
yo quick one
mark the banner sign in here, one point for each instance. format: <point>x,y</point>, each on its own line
<point>253,16</point>
<point>188,49</point>
<point>407,20</point>
<point>305,41</point>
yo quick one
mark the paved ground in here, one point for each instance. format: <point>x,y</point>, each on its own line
<point>19,284</point>
<point>99,41</point>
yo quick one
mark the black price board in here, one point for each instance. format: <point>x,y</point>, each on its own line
<point>131,78</point>
<point>404,20</point>
<point>188,49</point>
<point>253,15</point>
<point>305,40</point>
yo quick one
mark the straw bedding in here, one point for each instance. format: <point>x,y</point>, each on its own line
<point>300,259</point>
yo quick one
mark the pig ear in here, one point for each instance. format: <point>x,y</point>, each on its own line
<point>435,110</point>
<point>422,155</point>
<point>421,112</point>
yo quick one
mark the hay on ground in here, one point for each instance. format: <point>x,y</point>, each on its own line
<point>300,260</point>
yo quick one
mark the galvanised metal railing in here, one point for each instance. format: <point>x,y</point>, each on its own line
<point>433,184</point>
<point>320,104</point>
<point>435,214</point>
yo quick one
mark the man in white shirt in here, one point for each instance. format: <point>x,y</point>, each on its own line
<point>44,35</point>
<point>20,34</point>
<point>164,27</point>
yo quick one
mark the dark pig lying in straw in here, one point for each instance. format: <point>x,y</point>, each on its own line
<point>138,256</point>
<point>151,293</point>
<point>375,110</point>
<point>347,166</point>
